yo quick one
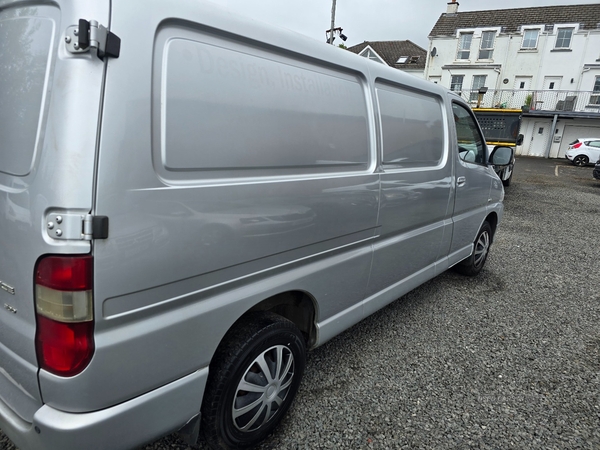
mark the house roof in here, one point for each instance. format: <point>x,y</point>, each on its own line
<point>512,19</point>
<point>391,51</point>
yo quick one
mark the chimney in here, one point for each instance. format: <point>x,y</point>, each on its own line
<point>452,7</point>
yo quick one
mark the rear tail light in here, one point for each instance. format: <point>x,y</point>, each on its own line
<point>577,145</point>
<point>65,318</point>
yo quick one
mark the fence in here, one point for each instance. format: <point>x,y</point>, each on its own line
<point>548,100</point>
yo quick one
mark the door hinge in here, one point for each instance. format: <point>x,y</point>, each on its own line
<point>83,227</point>
<point>90,34</point>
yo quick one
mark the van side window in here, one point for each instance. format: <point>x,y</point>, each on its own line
<point>471,146</point>
<point>240,109</point>
<point>412,127</point>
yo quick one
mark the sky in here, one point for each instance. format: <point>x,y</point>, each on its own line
<point>369,20</point>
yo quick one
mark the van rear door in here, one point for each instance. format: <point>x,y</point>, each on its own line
<point>49,108</point>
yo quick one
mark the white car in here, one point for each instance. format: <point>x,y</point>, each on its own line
<point>584,151</point>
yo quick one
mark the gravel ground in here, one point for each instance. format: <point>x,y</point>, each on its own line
<point>507,359</point>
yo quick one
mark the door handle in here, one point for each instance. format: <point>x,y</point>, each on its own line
<point>461,181</point>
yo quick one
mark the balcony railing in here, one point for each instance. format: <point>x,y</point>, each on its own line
<point>548,100</point>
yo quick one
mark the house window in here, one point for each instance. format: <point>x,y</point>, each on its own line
<point>456,83</point>
<point>563,38</point>
<point>487,44</point>
<point>464,46</point>
<point>478,82</point>
<point>595,98</point>
<point>370,54</point>
<point>402,60</point>
<point>530,38</point>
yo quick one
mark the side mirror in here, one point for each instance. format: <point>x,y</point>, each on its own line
<point>501,156</point>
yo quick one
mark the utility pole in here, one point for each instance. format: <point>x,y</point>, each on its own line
<point>332,22</point>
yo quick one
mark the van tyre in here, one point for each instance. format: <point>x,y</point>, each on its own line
<point>252,382</point>
<point>506,182</point>
<point>474,263</point>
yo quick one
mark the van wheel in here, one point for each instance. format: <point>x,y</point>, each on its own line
<point>474,263</point>
<point>252,382</point>
<point>506,182</point>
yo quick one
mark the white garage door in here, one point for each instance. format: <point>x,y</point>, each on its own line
<point>574,132</point>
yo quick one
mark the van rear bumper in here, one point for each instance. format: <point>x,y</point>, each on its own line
<point>123,426</point>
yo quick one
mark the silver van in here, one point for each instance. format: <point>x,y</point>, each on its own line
<point>189,201</point>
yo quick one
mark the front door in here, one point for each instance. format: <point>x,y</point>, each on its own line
<point>521,90</point>
<point>473,182</point>
<point>551,96</point>
<point>539,139</point>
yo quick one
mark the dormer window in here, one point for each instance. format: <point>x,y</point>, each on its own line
<point>464,45</point>
<point>563,38</point>
<point>530,39</point>
<point>370,54</point>
<point>487,44</point>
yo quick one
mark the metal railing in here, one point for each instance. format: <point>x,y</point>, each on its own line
<point>547,100</point>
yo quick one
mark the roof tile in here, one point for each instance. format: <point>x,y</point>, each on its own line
<point>512,19</point>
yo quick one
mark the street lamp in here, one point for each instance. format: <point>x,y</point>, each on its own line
<point>331,30</point>
<point>330,34</point>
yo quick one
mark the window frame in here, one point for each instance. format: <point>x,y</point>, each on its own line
<point>558,31</point>
<point>382,84</point>
<point>365,54</point>
<point>537,38</point>
<point>595,96</point>
<point>487,49</point>
<point>484,150</point>
<point>461,49</point>
<point>475,95</point>
<point>462,81</point>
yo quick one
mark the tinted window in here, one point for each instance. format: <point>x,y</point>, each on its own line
<point>412,128</point>
<point>471,146</point>
<point>237,109</point>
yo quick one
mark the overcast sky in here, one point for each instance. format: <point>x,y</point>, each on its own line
<point>369,20</point>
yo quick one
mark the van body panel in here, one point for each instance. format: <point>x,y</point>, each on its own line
<point>236,164</point>
<point>183,331</point>
<point>234,236</point>
<point>417,191</point>
<point>121,427</point>
<point>474,180</point>
<point>47,156</point>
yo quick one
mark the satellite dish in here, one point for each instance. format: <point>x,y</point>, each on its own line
<point>433,52</point>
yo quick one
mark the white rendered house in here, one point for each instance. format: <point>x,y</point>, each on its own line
<point>546,59</point>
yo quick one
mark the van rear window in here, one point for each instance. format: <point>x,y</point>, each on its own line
<point>412,127</point>
<point>25,43</point>
<point>229,107</point>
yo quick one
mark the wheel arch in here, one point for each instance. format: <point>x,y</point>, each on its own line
<point>492,219</point>
<point>297,306</point>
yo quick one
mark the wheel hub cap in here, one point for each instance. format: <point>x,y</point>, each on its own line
<point>263,388</point>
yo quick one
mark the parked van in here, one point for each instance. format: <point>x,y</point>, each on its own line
<point>190,200</point>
